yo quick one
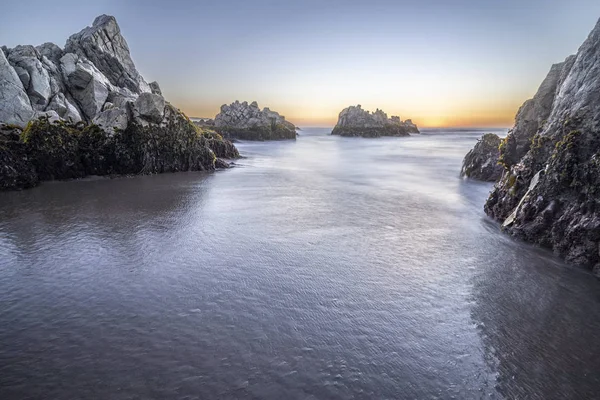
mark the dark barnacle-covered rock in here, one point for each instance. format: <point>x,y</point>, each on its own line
<point>549,193</point>
<point>481,163</point>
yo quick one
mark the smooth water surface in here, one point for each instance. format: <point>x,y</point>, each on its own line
<point>325,268</point>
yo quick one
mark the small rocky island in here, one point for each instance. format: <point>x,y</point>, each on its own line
<point>549,193</point>
<point>481,163</point>
<point>354,121</point>
<point>86,110</point>
<point>248,122</point>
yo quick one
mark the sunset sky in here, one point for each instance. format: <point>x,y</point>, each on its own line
<point>439,62</point>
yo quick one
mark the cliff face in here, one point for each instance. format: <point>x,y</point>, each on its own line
<point>550,191</point>
<point>354,121</point>
<point>248,122</point>
<point>92,82</point>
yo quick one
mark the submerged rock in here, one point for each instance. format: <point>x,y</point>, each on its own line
<point>248,122</point>
<point>354,121</point>
<point>86,110</point>
<point>481,163</point>
<point>550,191</point>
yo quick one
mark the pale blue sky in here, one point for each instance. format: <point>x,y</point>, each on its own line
<point>439,62</point>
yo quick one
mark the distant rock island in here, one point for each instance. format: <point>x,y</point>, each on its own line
<point>481,163</point>
<point>549,193</point>
<point>86,110</point>
<point>354,121</point>
<point>248,122</point>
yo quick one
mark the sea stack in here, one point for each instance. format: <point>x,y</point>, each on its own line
<point>85,109</point>
<point>248,122</point>
<point>354,121</point>
<point>481,163</point>
<point>549,193</point>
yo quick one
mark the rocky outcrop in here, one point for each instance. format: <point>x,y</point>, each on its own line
<point>481,163</point>
<point>354,121</point>
<point>248,122</point>
<point>204,122</point>
<point>104,46</point>
<point>549,193</point>
<point>87,110</point>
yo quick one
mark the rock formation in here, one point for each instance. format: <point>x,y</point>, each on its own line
<point>91,94</point>
<point>354,121</point>
<point>248,122</point>
<point>481,163</point>
<point>549,193</point>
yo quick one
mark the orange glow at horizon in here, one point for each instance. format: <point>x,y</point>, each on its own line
<point>482,117</point>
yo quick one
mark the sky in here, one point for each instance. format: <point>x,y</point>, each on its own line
<point>460,63</point>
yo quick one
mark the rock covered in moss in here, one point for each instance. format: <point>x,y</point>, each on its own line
<point>354,121</point>
<point>481,163</point>
<point>248,122</point>
<point>551,194</point>
<point>16,169</point>
<point>51,150</point>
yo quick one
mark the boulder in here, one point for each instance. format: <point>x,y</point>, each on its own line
<point>481,163</point>
<point>550,195</point>
<point>249,122</point>
<point>150,107</point>
<point>113,119</point>
<point>51,51</point>
<point>26,61</point>
<point>86,83</point>
<point>155,88</point>
<point>354,121</point>
<point>15,107</point>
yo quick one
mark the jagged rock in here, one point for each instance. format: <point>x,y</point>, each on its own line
<point>113,119</point>
<point>15,107</point>
<point>354,121</point>
<point>204,122</point>
<point>64,107</point>
<point>89,87</point>
<point>86,110</point>
<point>26,61</point>
<point>150,106</point>
<point>481,163</point>
<point>155,88</point>
<point>51,51</point>
<point>104,46</point>
<point>532,115</point>
<point>551,195</point>
<point>249,122</point>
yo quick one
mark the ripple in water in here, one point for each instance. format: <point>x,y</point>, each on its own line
<point>323,268</point>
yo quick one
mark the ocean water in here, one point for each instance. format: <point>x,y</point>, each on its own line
<point>325,268</point>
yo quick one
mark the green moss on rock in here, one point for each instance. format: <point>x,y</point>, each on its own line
<point>61,150</point>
